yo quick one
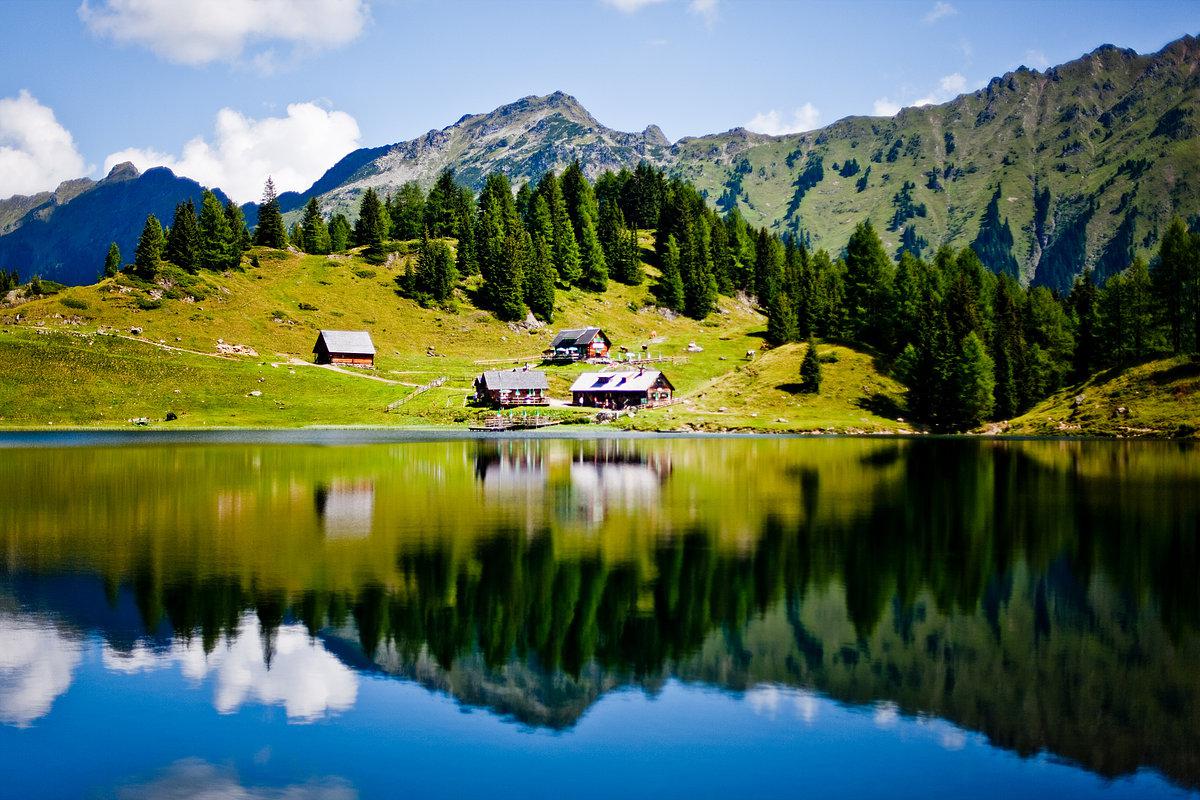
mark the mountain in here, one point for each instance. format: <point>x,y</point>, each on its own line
<point>522,139</point>
<point>1044,173</point>
<point>64,236</point>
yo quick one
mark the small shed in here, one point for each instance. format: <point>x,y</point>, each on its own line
<point>638,388</point>
<point>351,348</point>
<point>578,344</point>
<point>512,387</point>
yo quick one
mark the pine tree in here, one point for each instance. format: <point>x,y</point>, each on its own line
<point>810,369</point>
<point>339,233</point>
<point>724,265</point>
<point>1140,302</point>
<point>112,262</point>
<point>524,202</point>
<point>371,226</point>
<point>591,256</point>
<point>1083,302</point>
<point>1172,281</point>
<point>699,285</point>
<point>240,240</point>
<point>435,274</point>
<point>148,256</point>
<point>868,285</point>
<point>629,262</point>
<point>670,286</point>
<point>539,282</point>
<point>183,242</point>
<point>408,212</point>
<point>216,245</point>
<point>503,248</point>
<point>1008,350</point>
<point>768,266</point>
<point>781,319</point>
<point>974,384</point>
<point>314,236</point>
<point>443,206</point>
<point>579,198</point>
<point>566,248</point>
<point>270,231</point>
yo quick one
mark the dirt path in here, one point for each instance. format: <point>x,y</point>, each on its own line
<point>297,362</point>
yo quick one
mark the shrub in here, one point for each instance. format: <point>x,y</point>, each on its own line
<point>308,307</point>
<point>365,273</point>
<point>74,302</point>
<point>148,303</point>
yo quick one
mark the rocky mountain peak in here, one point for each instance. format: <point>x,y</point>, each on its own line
<point>125,171</point>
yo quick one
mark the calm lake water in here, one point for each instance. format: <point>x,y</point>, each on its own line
<point>598,618</point>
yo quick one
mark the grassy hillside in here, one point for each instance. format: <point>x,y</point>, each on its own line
<point>74,359</point>
<point>1158,398</point>
<point>1091,159</point>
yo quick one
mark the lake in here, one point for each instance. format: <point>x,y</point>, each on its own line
<point>340,615</point>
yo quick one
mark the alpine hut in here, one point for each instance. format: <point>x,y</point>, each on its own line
<point>352,348</point>
<point>512,387</point>
<point>578,344</point>
<point>637,388</point>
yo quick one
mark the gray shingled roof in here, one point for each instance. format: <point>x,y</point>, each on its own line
<point>573,336</point>
<point>353,342</point>
<point>503,379</point>
<point>624,381</point>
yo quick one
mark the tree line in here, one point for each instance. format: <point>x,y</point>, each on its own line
<point>969,345</point>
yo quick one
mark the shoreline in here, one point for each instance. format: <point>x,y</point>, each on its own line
<point>331,435</point>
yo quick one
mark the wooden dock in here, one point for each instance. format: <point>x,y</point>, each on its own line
<point>517,422</point>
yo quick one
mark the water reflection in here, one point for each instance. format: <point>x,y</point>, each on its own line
<point>1038,595</point>
<point>292,671</point>
<point>346,508</point>
<point>196,779</point>
<point>37,663</point>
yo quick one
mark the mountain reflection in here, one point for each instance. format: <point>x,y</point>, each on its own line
<point>1041,594</point>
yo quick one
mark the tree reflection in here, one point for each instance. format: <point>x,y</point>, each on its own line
<point>1039,595</point>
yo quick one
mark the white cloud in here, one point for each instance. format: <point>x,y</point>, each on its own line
<point>630,6</point>
<point>1036,59</point>
<point>36,152</point>
<point>705,9</point>
<point>949,87</point>
<point>305,678</point>
<point>886,108</point>
<point>772,122</point>
<point>295,150</point>
<point>940,10</point>
<point>225,30</point>
<point>37,664</point>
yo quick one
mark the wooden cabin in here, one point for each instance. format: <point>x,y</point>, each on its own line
<point>579,344</point>
<point>513,387</point>
<point>348,348</point>
<point>638,388</point>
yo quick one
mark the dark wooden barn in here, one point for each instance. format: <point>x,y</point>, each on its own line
<point>349,348</point>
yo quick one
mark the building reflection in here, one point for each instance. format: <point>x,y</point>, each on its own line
<point>346,508</point>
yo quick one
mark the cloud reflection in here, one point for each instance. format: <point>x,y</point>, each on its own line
<point>303,677</point>
<point>37,663</point>
<point>194,779</point>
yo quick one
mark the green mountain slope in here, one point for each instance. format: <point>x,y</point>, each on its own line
<point>1082,164</point>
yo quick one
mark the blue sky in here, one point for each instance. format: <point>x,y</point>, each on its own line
<point>144,78</point>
